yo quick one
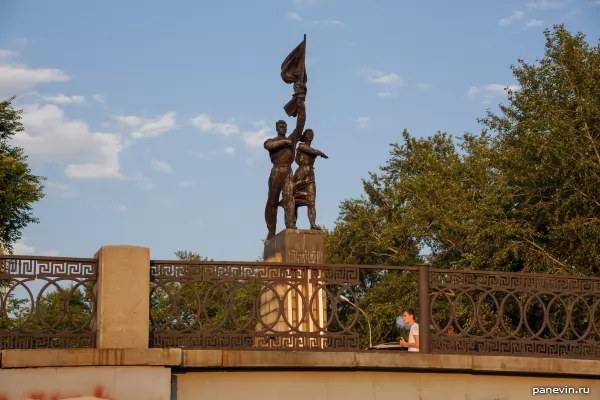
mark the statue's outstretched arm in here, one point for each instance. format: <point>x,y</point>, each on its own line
<point>311,151</point>
<point>274,144</point>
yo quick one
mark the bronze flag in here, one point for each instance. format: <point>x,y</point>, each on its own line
<point>293,70</point>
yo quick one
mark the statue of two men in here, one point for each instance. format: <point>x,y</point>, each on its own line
<point>296,190</point>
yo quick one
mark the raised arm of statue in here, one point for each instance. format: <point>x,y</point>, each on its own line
<point>300,121</point>
<point>274,144</point>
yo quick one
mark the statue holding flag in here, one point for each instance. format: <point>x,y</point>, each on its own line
<point>282,149</point>
<point>293,70</point>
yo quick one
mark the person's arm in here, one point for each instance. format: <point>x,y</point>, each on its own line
<point>415,333</point>
<point>309,150</point>
<point>300,121</point>
<point>273,144</point>
<point>415,344</point>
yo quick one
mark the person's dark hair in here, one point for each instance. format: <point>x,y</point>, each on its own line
<point>303,137</point>
<point>411,312</point>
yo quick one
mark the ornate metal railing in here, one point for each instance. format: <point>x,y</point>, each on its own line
<point>47,302</point>
<point>255,306</point>
<point>515,314</point>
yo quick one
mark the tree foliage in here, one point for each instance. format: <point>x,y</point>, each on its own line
<point>19,189</point>
<point>521,196</point>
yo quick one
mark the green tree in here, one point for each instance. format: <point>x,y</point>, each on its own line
<point>524,199</point>
<point>548,147</point>
<point>19,189</point>
<point>520,196</point>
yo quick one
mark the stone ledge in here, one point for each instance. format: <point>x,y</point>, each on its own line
<point>89,357</point>
<point>211,359</point>
<point>281,360</point>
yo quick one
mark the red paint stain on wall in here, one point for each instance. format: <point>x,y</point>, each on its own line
<point>98,393</point>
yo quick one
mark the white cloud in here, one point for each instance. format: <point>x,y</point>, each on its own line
<point>14,78</point>
<point>130,120</point>
<point>23,249</point>
<point>50,136</point>
<point>229,150</point>
<point>255,139</point>
<point>363,122</point>
<point>533,23</point>
<point>329,22</point>
<point>62,99</point>
<point>595,2</point>
<point>4,54</point>
<point>61,190</point>
<point>293,15</point>
<point>515,16</point>
<point>546,4</point>
<point>424,86</point>
<point>488,92</point>
<point>213,153</point>
<point>205,124</point>
<point>380,78</point>
<point>162,166</point>
<point>185,184</point>
<point>123,208</point>
<point>296,17</point>
<point>148,127</point>
<point>99,98</point>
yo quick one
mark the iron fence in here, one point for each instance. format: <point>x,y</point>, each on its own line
<point>47,302</point>
<point>275,306</point>
<point>515,314</point>
<point>255,305</point>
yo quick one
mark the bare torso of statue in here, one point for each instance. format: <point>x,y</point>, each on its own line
<point>281,151</point>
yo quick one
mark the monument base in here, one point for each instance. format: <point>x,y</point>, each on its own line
<point>302,246</point>
<point>294,314</point>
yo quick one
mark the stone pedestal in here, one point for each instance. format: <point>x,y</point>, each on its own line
<point>122,300</point>
<point>300,246</point>
<point>285,303</point>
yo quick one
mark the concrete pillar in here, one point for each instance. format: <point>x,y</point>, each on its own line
<point>296,246</point>
<point>122,297</point>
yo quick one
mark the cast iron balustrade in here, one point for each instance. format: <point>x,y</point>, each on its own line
<point>254,306</point>
<point>47,302</point>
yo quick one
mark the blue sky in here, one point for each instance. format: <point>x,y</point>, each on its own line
<point>148,117</point>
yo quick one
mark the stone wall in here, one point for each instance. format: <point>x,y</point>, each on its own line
<point>372,386</point>
<point>176,374</point>
<point>86,383</point>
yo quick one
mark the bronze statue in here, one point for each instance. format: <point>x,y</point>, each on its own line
<point>293,70</point>
<point>305,188</point>
<point>281,150</point>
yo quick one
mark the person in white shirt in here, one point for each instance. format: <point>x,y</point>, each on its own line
<point>413,337</point>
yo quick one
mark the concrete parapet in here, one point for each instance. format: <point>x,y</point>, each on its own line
<point>290,360</point>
